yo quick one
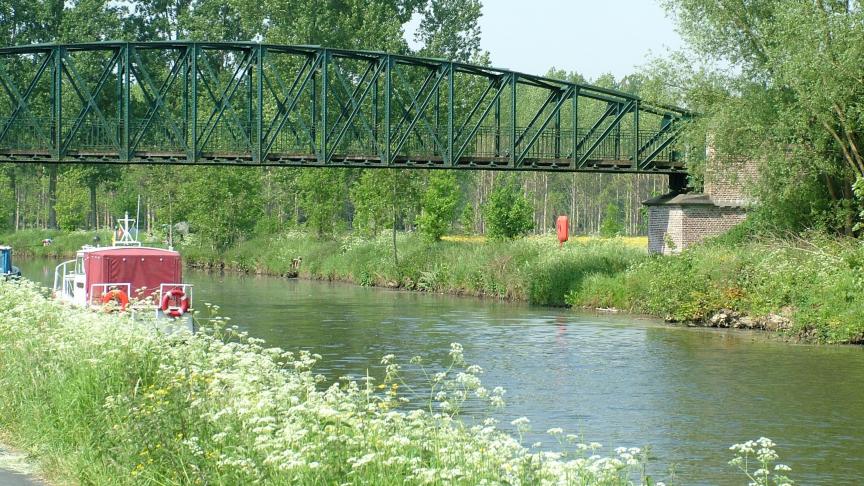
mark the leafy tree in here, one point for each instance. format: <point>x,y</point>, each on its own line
<point>322,197</point>
<point>71,204</point>
<point>508,213</point>
<point>793,98</point>
<point>92,176</point>
<point>466,219</point>
<point>7,198</point>
<point>451,29</point>
<point>439,205</point>
<point>222,205</point>
<point>611,225</point>
<point>372,198</point>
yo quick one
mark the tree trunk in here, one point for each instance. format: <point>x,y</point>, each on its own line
<point>545,200</point>
<point>52,196</point>
<point>91,221</point>
<point>13,186</point>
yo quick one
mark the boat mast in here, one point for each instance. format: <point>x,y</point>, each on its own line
<point>126,238</point>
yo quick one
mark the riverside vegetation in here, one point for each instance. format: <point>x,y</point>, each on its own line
<point>100,399</point>
<point>807,288</point>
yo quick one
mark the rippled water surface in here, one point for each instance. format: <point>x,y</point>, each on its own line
<point>620,381</point>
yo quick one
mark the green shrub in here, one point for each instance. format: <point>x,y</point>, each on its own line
<point>439,205</point>
<point>508,213</point>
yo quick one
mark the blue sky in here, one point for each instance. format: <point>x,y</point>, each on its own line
<point>591,37</point>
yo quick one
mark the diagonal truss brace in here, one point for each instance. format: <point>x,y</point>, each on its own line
<point>223,102</point>
<point>289,103</point>
<point>501,86</point>
<point>671,128</point>
<point>438,75</point>
<point>622,112</point>
<point>356,104</point>
<point>156,102</point>
<point>20,102</point>
<point>87,98</point>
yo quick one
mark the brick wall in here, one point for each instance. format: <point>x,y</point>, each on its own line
<point>664,228</point>
<point>729,180</point>
<point>673,227</point>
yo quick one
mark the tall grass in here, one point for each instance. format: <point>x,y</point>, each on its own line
<point>99,399</point>
<point>530,269</point>
<point>812,288</point>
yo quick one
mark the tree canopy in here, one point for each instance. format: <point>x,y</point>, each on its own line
<point>780,82</point>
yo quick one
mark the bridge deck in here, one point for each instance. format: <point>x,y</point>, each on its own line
<point>338,160</point>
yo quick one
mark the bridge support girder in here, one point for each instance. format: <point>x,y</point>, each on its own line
<point>230,103</point>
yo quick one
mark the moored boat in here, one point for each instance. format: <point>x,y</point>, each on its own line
<point>7,270</point>
<point>128,277</point>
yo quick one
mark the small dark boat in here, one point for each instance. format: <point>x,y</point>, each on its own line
<point>7,270</point>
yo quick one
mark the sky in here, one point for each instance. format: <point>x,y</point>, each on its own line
<point>591,37</point>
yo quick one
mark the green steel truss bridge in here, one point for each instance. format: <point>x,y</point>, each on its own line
<point>242,103</point>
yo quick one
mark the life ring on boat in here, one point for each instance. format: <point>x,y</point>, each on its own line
<point>180,301</point>
<point>118,296</point>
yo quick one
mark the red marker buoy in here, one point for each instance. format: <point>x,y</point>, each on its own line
<point>562,228</point>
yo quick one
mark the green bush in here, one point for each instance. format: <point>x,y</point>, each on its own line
<point>508,213</point>
<point>439,205</point>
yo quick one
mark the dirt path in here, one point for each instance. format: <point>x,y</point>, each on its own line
<point>16,470</point>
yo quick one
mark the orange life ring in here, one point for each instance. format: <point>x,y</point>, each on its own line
<point>116,295</point>
<point>180,300</point>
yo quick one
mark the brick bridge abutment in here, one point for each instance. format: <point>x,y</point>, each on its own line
<point>681,218</point>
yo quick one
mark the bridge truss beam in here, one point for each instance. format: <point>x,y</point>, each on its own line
<point>262,104</point>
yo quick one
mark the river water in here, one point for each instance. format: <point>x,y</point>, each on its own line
<point>688,393</point>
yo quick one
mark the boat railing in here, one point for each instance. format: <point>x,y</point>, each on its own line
<point>61,282</point>
<point>105,288</point>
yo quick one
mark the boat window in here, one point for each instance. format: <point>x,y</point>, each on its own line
<point>79,265</point>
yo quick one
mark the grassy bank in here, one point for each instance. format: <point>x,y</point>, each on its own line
<point>531,269</point>
<point>100,400</point>
<point>812,289</point>
<point>64,244</point>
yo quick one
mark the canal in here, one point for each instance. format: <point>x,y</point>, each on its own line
<point>688,393</point>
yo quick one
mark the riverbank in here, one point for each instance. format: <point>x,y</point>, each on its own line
<point>808,289</point>
<point>99,400</point>
<point>812,290</point>
<point>63,244</point>
<point>531,269</point>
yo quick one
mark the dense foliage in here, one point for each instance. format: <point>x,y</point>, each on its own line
<point>809,288</point>
<point>439,205</point>
<point>507,212</point>
<point>779,82</point>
